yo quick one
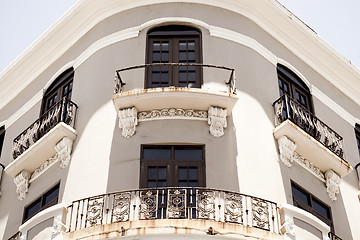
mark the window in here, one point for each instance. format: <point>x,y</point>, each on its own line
<point>357,135</point>
<point>172,166</point>
<point>291,85</point>
<point>173,44</point>
<point>2,137</point>
<point>46,200</point>
<point>60,88</point>
<point>308,202</point>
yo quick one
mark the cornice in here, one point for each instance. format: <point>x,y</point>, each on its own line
<point>270,15</point>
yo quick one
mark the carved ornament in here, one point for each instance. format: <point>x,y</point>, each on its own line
<point>286,149</point>
<point>22,184</point>
<point>217,121</point>
<point>128,121</point>
<point>172,113</point>
<point>332,184</point>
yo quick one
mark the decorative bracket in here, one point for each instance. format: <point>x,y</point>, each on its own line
<point>332,184</point>
<point>22,184</point>
<point>128,121</point>
<point>63,149</point>
<point>217,121</point>
<point>286,148</point>
<point>288,228</point>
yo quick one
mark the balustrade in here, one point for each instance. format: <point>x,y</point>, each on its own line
<point>64,111</point>
<point>173,203</point>
<point>287,108</point>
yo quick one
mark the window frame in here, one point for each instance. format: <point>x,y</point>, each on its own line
<point>57,88</point>
<point>174,34</point>
<point>295,84</point>
<point>41,199</point>
<point>172,165</point>
<point>309,207</point>
<point>357,136</point>
<point>2,138</point>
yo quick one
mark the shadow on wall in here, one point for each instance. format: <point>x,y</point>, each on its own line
<point>220,153</point>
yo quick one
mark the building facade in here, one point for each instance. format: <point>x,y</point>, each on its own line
<point>225,120</point>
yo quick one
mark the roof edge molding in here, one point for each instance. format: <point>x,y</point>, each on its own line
<point>289,31</point>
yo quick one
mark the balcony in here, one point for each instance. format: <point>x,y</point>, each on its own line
<point>214,100</point>
<point>46,141</point>
<point>209,210</point>
<point>309,137</point>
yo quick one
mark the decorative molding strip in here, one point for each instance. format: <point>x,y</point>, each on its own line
<point>334,106</point>
<point>22,184</point>
<point>217,121</point>
<point>63,149</point>
<point>128,121</point>
<point>172,113</point>
<point>332,184</point>
<point>309,166</point>
<point>43,167</point>
<point>26,107</point>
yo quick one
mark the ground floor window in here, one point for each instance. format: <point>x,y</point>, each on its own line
<point>46,200</point>
<point>172,166</point>
<point>308,202</point>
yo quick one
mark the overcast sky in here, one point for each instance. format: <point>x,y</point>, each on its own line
<point>23,21</point>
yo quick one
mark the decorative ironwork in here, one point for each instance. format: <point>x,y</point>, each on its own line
<point>94,215</point>
<point>176,207</point>
<point>205,204</point>
<point>231,82</point>
<point>121,207</point>
<point>287,108</point>
<point>233,207</point>
<point>148,204</point>
<point>260,212</point>
<point>174,203</point>
<point>64,111</point>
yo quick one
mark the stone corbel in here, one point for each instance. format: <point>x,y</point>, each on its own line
<point>63,149</point>
<point>128,121</point>
<point>286,149</point>
<point>58,228</point>
<point>332,184</point>
<point>22,184</point>
<point>217,121</point>
<point>288,228</point>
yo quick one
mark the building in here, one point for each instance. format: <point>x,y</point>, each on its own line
<point>177,147</point>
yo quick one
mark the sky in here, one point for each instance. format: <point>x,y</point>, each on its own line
<point>23,21</point>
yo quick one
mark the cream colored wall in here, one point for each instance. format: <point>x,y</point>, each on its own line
<point>245,159</point>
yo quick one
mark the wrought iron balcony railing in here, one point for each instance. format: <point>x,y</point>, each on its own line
<point>173,203</point>
<point>64,111</point>
<point>287,108</point>
<point>119,83</point>
<point>332,236</point>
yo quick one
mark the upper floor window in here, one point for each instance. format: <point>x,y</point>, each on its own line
<point>308,202</point>
<point>60,88</point>
<point>46,200</point>
<point>172,166</point>
<point>2,137</point>
<point>291,85</point>
<point>173,44</point>
<point>357,134</point>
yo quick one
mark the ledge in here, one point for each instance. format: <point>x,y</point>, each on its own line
<point>174,97</point>
<point>311,149</point>
<point>41,151</point>
<point>57,212</point>
<point>289,212</point>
